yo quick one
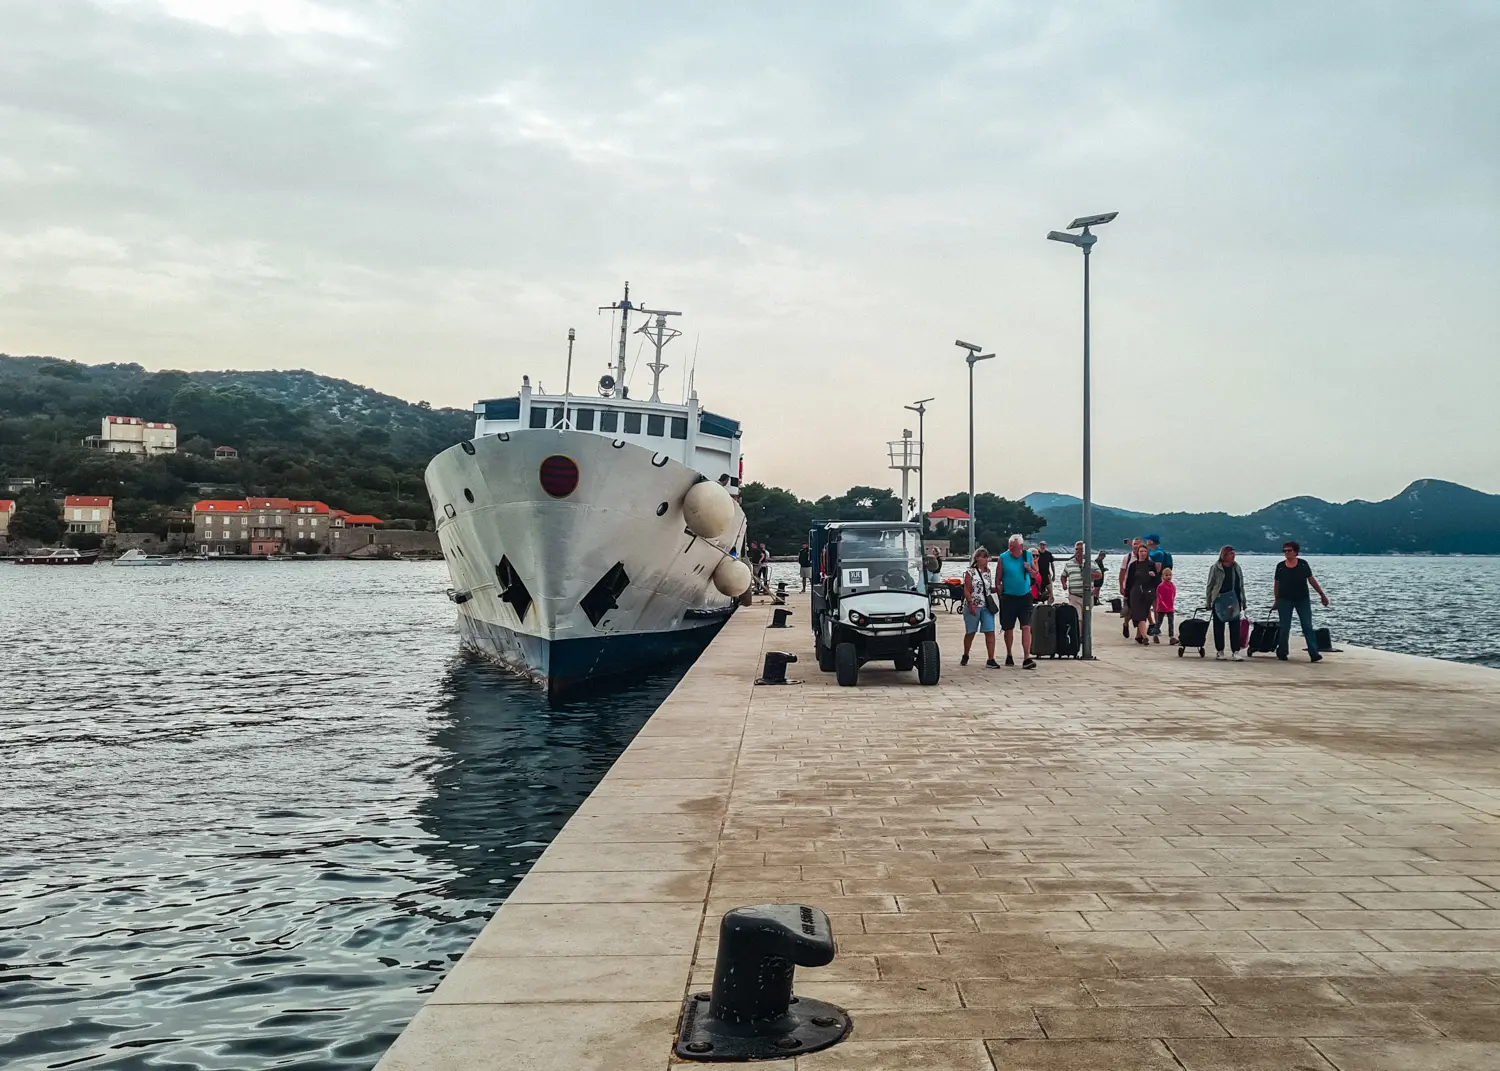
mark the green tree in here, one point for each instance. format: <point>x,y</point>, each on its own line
<point>998,518</point>
<point>37,517</point>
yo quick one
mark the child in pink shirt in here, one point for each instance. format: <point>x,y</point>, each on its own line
<point>1166,607</point>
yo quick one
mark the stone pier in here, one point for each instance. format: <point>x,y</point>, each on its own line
<point>1143,863</point>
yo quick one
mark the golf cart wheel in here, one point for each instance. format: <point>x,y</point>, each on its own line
<point>1181,651</point>
<point>929,663</point>
<point>825,656</point>
<point>846,665</point>
<point>905,662</point>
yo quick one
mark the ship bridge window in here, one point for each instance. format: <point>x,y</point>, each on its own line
<point>503,409</point>
<point>714,424</point>
<point>632,423</point>
<point>679,427</point>
<point>583,419</point>
<point>538,416</point>
<point>656,424</point>
<point>609,420</point>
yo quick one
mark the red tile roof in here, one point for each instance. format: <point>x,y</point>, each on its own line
<point>219,505</point>
<point>316,507</point>
<point>948,515</point>
<point>88,500</point>
<point>361,518</point>
<point>269,503</point>
<point>123,419</point>
<point>7,504</point>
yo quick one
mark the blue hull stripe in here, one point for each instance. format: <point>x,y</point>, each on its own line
<point>570,666</point>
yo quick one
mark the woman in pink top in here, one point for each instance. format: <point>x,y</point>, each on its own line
<point>1166,607</point>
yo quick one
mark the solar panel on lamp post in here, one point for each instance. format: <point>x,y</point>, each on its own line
<point>973,357</point>
<point>1085,241</point>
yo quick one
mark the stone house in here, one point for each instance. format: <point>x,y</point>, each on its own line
<point>93,514</point>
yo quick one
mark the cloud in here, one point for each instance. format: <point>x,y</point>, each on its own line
<point>424,198</point>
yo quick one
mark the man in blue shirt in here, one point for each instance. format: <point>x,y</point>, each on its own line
<point>1016,571</point>
<point>1153,548</point>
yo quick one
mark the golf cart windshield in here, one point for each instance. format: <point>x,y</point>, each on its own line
<point>875,560</point>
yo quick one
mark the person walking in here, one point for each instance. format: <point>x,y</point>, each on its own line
<point>804,564</point>
<point>1166,607</point>
<point>1099,576</point>
<point>979,607</point>
<point>1129,560</point>
<point>1015,574</point>
<point>1293,577</point>
<point>1153,547</point>
<point>1045,561</point>
<point>1073,581</point>
<point>1226,598</point>
<point>1141,578</point>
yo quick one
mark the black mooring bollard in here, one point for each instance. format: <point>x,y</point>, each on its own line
<point>751,1013</point>
<point>774,670</point>
<point>778,618</point>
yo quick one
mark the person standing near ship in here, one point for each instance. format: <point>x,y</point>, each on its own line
<point>1293,577</point>
<point>804,565</point>
<point>1014,575</point>
<point>1044,564</point>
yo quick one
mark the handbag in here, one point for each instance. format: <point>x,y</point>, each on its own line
<point>991,603</point>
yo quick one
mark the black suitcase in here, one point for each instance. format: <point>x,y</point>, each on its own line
<point>1194,633</point>
<point>1043,630</point>
<point>1264,636</point>
<point>1069,638</point>
<point>1324,638</point>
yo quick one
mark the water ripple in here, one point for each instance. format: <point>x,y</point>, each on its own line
<point>251,825</point>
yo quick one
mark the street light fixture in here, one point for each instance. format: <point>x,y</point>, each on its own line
<point>920,408</point>
<point>973,357</point>
<point>1085,242</point>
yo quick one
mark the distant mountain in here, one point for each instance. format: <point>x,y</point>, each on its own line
<point>1043,501</point>
<point>299,434</point>
<point>1428,517</point>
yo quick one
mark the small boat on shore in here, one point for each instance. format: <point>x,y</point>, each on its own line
<point>136,556</point>
<point>58,556</point>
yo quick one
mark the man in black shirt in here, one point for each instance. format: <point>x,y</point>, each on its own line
<point>1044,563</point>
<point>804,563</point>
<point>1293,576</point>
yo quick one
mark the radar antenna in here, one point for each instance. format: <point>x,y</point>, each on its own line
<point>658,334</point>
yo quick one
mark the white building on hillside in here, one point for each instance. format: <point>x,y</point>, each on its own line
<point>132,435</point>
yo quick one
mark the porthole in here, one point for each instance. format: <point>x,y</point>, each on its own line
<point>468,447</point>
<point>468,494</point>
<point>661,510</point>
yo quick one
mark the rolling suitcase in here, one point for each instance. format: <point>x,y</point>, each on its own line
<point>1192,633</point>
<point>1043,630</point>
<point>1264,636</point>
<point>1068,632</point>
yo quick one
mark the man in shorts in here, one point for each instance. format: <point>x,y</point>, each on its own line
<point>804,564</point>
<point>1015,573</point>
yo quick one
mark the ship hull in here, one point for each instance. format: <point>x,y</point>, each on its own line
<point>578,591</point>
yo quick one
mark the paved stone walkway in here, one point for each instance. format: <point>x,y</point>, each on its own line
<point>1144,863</point>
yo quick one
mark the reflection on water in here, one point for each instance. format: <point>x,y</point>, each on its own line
<point>251,830</point>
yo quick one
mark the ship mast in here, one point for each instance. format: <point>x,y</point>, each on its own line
<point>658,334</point>
<point>624,306</point>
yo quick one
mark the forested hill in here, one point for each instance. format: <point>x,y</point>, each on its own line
<point>299,435</point>
<point>1428,517</point>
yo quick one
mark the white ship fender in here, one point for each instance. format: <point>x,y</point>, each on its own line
<point>707,510</point>
<point>732,576</point>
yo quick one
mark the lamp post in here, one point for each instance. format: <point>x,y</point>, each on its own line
<point>973,357</point>
<point>1085,241</point>
<point>920,408</point>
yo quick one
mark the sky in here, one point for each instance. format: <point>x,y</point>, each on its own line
<point>1301,294</point>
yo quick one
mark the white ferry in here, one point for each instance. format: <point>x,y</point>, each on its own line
<point>590,538</point>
